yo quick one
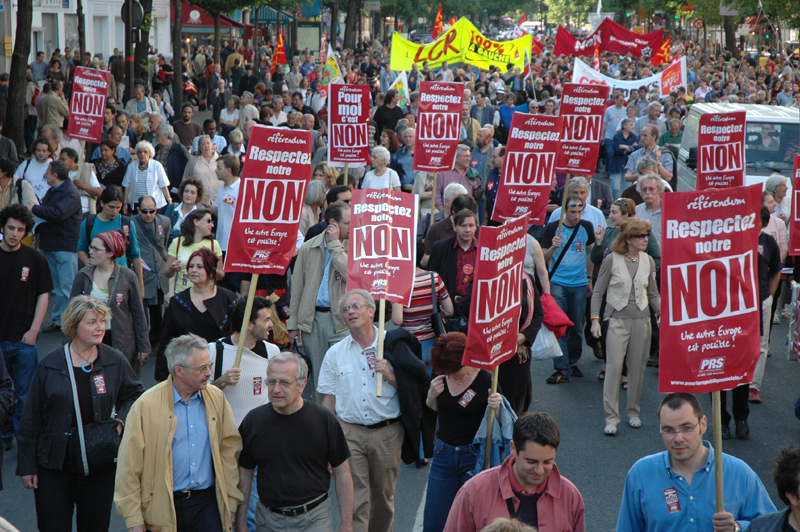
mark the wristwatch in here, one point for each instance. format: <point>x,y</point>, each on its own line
<point>737,527</point>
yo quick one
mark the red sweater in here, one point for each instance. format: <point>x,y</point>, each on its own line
<point>483,499</point>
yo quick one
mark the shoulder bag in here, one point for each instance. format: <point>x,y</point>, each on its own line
<point>437,323</point>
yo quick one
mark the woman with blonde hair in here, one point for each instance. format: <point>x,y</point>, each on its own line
<point>627,281</point>
<point>327,174</point>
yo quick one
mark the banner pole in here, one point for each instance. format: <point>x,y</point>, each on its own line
<point>563,204</point>
<point>433,199</point>
<point>717,407</point>
<point>81,157</point>
<point>381,319</point>
<point>346,172</point>
<point>487,462</point>
<point>248,309</point>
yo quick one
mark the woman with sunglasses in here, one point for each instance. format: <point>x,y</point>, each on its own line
<point>197,232</point>
<point>116,286</point>
<point>627,282</point>
<point>202,309</point>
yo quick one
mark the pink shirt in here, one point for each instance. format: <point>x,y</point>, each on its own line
<point>483,499</point>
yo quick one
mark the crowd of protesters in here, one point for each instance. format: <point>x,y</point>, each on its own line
<point>120,249</point>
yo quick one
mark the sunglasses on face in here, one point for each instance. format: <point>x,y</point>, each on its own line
<point>642,235</point>
<point>147,211</point>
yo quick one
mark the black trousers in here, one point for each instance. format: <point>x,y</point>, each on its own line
<point>59,493</point>
<point>514,379</point>
<point>741,409</point>
<point>154,315</point>
<point>199,513</point>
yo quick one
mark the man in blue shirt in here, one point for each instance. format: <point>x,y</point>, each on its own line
<point>674,490</point>
<point>403,160</point>
<point>39,67</point>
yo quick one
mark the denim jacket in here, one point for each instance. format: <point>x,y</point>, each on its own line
<point>502,432</point>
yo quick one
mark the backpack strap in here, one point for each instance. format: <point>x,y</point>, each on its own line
<point>218,361</point>
<point>89,225</point>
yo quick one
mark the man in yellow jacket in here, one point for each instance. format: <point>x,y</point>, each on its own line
<point>177,465</point>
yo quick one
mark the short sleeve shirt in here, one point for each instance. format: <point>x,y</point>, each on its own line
<point>572,269</point>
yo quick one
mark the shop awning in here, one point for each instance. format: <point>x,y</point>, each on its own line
<point>194,18</point>
<point>269,16</point>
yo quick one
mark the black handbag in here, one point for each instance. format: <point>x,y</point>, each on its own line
<point>437,323</point>
<point>92,447</point>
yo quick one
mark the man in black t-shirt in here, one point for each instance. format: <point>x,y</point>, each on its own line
<point>26,281</point>
<point>292,441</point>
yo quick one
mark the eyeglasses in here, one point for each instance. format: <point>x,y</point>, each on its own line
<point>95,249</point>
<point>575,205</point>
<point>643,235</point>
<point>147,211</point>
<point>284,384</point>
<point>354,306</point>
<point>670,433</point>
<point>201,369</point>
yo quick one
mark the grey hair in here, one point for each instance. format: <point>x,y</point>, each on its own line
<point>143,144</point>
<point>315,192</point>
<point>138,86</point>
<point>578,182</point>
<point>235,136</point>
<point>368,299</point>
<point>454,190</point>
<point>773,182</point>
<point>461,149</point>
<point>180,350</point>
<point>654,105</point>
<point>379,152</point>
<point>55,131</point>
<point>648,176</point>
<point>246,94</point>
<point>291,356</point>
<point>645,163</point>
<point>165,129</point>
<point>157,116</point>
<point>625,122</point>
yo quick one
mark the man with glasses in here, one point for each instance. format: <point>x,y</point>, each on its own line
<point>371,424</point>
<point>188,425</point>
<point>291,488</point>
<point>674,490</point>
<point>459,174</point>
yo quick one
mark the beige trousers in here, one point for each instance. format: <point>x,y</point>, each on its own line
<point>626,338</point>
<point>374,465</point>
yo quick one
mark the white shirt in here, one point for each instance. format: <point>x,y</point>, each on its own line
<point>85,199</point>
<point>251,391</point>
<point>590,213</point>
<point>33,173</point>
<point>389,179</point>
<point>280,118</point>
<point>346,374</point>
<point>226,208</point>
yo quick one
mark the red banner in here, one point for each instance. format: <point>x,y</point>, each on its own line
<point>438,125</point>
<point>710,325</point>
<point>348,112</point>
<point>794,224</point>
<point>272,193</point>
<point>87,104</point>
<point>720,150</point>
<point>383,250</point>
<point>582,110</point>
<point>528,169</point>
<point>496,295</point>
<point>610,37</point>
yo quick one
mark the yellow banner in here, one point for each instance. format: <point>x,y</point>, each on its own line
<point>462,43</point>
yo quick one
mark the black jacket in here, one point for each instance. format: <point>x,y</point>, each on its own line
<point>61,209</point>
<point>177,159</point>
<point>444,261</point>
<point>178,321</point>
<point>7,400</point>
<point>404,353</point>
<point>47,418</point>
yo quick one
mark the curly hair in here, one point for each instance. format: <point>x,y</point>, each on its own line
<point>447,352</point>
<point>196,183</point>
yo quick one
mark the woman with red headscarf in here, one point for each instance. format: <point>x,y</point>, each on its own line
<point>118,287</point>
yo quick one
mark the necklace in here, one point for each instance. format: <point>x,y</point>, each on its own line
<point>85,360</point>
<point>635,258</point>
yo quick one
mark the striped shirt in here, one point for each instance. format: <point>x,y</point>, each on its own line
<point>141,184</point>
<point>417,316</point>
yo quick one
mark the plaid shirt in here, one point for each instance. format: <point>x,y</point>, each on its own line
<point>465,266</point>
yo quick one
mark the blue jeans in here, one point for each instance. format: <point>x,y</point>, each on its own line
<point>21,360</point>
<point>571,300</point>
<point>251,506</point>
<point>451,468</point>
<point>616,185</point>
<point>426,352</point>
<point>63,269</point>
<point>609,152</point>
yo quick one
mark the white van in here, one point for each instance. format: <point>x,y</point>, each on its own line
<point>762,159</point>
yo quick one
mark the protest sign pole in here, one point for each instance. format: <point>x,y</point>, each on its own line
<point>81,157</point>
<point>248,310</point>
<point>381,319</point>
<point>433,199</point>
<point>487,463</point>
<point>346,172</point>
<point>563,204</point>
<point>717,407</point>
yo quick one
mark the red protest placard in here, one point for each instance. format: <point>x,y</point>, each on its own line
<point>383,249</point>
<point>794,224</point>
<point>582,111</point>
<point>496,295</point>
<point>348,112</point>
<point>530,162</point>
<point>87,104</point>
<point>272,193</point>
<point>720,150</point>
<point>438,125</point>
<point>710,324</point>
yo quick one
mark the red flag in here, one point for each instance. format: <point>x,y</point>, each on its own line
<point>453,21</point>
<point>280,54</point>
<point>438,24</point>
<point>523,18</point>
<point>663,53</point>
<point>596,60</point>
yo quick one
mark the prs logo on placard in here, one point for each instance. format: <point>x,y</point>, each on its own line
<point>260,256</point>
<point>520,210</point>
<point>711,365</point>
<point>496,349</point>
<point>379,284</point>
